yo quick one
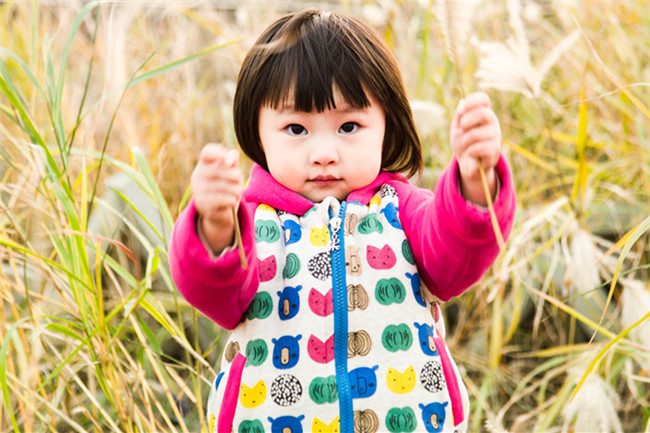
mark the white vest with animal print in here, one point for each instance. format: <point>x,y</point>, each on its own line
<point>340,336</point>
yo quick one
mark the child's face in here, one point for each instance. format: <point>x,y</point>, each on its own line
<point>330,153</point>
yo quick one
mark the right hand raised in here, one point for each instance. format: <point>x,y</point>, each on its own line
<point>217,189</point>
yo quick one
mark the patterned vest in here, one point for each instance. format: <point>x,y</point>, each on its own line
<point>340,336</point>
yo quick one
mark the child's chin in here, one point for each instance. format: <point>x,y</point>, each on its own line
<point>318,197</point>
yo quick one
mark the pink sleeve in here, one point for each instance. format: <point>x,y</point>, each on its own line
<point>219,288</point>
<point>453,242</point>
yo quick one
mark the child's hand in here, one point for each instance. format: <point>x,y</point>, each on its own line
<point>217,189</point>
<point>476,135</point>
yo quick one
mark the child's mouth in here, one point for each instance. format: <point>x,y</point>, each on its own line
<point>324,181</point>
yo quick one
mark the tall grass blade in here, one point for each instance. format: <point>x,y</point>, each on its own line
<point>610,75</point>
<point>580,185</point>
<point>641,229</point>
<point>5,74</point>
<point>240,244</point>
<point>108,134</point>
<point>153,188</point>
<point>493,216</point>
<point>604,350</point>
<point>3,371</point>
<point>160,71</point>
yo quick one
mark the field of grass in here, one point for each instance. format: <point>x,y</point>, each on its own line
<point>104,108</point>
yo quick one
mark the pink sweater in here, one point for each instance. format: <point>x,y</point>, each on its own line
<point>452,241</point>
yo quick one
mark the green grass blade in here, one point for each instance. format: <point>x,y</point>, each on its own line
<point>106,137</point>
<point>47,261</point>
<point>632,238</point>
<point>23,66</point>
<point>56,103</point>
<point>159,71</point>
<point>15,102</point>
<point>572,312</point>
<point>153,186</point>
<point>604,350</point>
<point>3,371</point>
<point>580,185</point>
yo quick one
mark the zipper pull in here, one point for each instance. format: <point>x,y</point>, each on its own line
<point>335,224</point>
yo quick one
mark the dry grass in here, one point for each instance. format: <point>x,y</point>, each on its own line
<point>93,336</point>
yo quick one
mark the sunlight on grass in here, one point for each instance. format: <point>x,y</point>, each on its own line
<point>105,107</point>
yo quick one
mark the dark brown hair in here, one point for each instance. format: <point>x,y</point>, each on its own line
<point>304,56</point>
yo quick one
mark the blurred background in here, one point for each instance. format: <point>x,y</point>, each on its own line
<point>105,106</point>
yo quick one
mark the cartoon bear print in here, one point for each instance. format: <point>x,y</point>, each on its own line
<point>286,351</point>
<point>286,424</point>
<point>416,287</point>
<point>289,302</point>
<point>363,382</point>
<point>352,260</point>
<point>292,232</point>
<point>433,415</point>
<point>391,214</point>
<point>425,335</point>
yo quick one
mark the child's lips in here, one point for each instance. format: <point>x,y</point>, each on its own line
<point>324,180</point>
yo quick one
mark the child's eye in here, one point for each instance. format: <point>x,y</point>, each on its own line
<point>295,129</point>
<point>349,127</point>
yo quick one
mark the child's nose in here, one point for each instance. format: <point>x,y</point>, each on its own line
<point>324,153</point>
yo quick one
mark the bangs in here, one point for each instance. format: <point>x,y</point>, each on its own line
<point>305,72</point>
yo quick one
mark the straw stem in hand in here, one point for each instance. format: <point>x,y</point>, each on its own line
<point>240,244</point>
<point>493,215</point>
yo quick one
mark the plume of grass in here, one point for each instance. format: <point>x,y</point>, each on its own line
<point>455,22</point>
<point>507,65</point>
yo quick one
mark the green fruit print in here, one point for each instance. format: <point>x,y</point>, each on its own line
<point>371,224</point>
<point>401,420</point>
<point>260,307</point>
<point>389,291</point>
<point>251,426</point>
<point>256,352</point>
<point>397,337</point>
<point>266,231</point>
<point>407,252</point>
<point>323,390</point>
<point>292,266</point>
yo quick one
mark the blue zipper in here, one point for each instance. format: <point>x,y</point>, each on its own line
<point>340,300</point>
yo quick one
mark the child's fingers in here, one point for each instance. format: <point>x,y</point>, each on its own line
<point>480,115</point>
<point>232,158</point>
<point>213,153</point>
<point>472,101</point>
<point>485,132</point>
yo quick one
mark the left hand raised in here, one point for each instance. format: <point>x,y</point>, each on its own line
<point>475,136</point>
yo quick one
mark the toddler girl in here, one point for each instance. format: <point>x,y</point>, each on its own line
<point>335,318</point>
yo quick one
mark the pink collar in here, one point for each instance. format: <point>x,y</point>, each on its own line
<point>263,188</point>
